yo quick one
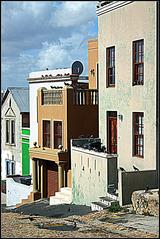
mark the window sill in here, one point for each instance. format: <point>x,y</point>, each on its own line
<point>138,156</point>
<point>10,144</point>
<point>110,86</point>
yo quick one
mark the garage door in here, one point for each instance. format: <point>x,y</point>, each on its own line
<point>52,178</point>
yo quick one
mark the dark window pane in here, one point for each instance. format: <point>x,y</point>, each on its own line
<point>57,134</point>
<point>138,65</point>
<point>7,131</point>
<point>25,120</point>
<point>7,168</point>
<point>138,134</point>
<point>12,132</point>
<point>110,66</point>
<point>46,133</point>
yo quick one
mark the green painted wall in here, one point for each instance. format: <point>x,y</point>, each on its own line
<point>25,152</point>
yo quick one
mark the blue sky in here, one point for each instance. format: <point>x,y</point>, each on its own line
<point>44,34</point>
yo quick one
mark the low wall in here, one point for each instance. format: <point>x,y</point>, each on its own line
<point>15,192</point>
<point>146,203</point>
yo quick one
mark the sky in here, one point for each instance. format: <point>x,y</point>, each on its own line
<point>36,35</point>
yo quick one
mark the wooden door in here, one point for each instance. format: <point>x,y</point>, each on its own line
<point>52,178</point>
<point>112,137</point>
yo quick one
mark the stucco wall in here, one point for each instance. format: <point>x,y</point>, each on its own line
<point>120,28</point>
<point>16,192</point>
<point>88,185</point>
<point>33,87</point>
<point>92,62</point>
<point>8,150</point>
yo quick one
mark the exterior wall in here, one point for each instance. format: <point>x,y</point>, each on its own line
<point>16,192</point>
<point>11,150</point>
<point>92,62</point>
<point>25,152</point>
<point>125,98</point>
<point>87,184</point>
<point>71,116</point>
<point>53,113</point>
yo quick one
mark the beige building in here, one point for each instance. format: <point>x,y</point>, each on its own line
<point>128,46</point>
<point>93,63</point>
<point>127,35</point>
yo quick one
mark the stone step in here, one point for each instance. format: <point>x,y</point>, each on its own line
<point>107,201</point>
<point>18,205</point>
<point>63,195</point>
<point>54,200</point>
<point>24,201</point>
<point>112,196</point>
<point>98,206</point>
<point>30,197</point>
<point>66,190</point>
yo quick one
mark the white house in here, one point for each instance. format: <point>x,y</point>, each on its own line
<point>15,105</point>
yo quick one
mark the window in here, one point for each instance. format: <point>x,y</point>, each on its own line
<point>10,103</point>
<point>7,131</point>
<point>12,131</point>
<point>57,134</point>
<point>12,168</point>
<point>138,134</point>
<point>138,62</point>
<point>110,66</point>
<point>25,120</point>
<point>46,133</point>
<point>7,167</point>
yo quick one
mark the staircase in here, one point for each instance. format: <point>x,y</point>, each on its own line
<point>105,202</point>
<point>25,201</point>
<point>62,197</point>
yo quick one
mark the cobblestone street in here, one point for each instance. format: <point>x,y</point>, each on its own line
<point>93,225</point>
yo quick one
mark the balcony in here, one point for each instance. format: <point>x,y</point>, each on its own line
<point>79,96</point>
<point>85,97</point>
<point>49,154</point>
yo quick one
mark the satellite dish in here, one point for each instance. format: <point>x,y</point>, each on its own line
<point>77,68</point>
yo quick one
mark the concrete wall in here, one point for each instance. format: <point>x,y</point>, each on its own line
<point>88,182</point>
<point>11,150</point>
<point>16,192</point>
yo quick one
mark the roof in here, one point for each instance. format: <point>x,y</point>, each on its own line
<point>21,97</point>
<point>50,73</point>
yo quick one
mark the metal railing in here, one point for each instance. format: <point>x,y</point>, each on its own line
<point>52,97</point>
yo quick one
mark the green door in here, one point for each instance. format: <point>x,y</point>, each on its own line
<point>25,157</point>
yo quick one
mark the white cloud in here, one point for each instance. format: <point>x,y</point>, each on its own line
<point>74,13</point>
<point>52,55</point>
<point>40,34</point>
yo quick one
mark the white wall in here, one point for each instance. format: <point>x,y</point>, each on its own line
<point>8,150</point>
<point>88,186</point>
<point>15,192</point>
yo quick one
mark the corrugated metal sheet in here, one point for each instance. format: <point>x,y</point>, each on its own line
<point>21,97</point>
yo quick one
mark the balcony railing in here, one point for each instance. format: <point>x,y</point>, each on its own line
<point>80,97</point>
<point>52,97</point>
<point>85,97</point>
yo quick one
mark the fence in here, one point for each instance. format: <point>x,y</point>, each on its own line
<point>138,180</point>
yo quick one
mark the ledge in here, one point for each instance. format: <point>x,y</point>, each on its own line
<point>111,6</point>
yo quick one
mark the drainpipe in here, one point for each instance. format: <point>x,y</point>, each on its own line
<point>157,86</point>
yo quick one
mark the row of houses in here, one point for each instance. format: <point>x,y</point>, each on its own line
<point>95,135</point>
